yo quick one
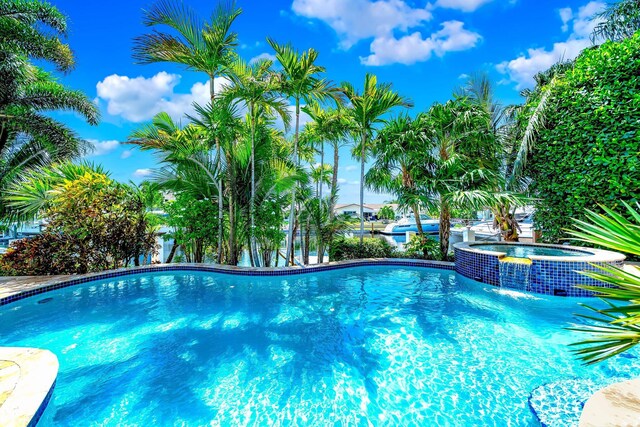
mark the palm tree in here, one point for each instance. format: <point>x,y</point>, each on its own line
<point>457,169</point>
<point>255,87</point>
<point>29,138</point>
<point>300,80</point>
<point>28,197</point>
<point>187,163</point>
<point>394,167</point>
<point>615,328</point>
<point>329,125</point>
<point>619,21</point>
<point>202,46</point>
<point>367,111</point>
<point>505,129</point>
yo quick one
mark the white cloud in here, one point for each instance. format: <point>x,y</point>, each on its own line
<point>522,69</point>
<point>413,48</point>
<point>265,55</point>
<point>396,27</point>
<point>566,14</point>
<point>355,20</point>
<point>126,154</point>
<point>142,173</point>
<point>100,148</point>
<point>342,181</point>
<point>138,99</point>
<point>463,5</point>
<point>351,168</point>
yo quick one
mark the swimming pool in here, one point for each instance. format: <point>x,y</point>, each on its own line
<point>393,345</point>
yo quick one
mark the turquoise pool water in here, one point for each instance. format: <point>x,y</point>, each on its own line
<point>361,346</point>
<point>524,251</point>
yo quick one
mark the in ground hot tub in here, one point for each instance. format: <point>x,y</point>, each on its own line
<point>545,269</point>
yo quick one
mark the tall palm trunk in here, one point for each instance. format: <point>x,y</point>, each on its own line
<point>362,152</point>
<point>445,229</point>
<point>321,169</point>
<point>290,241</point>
<point>172,252</point>
<point>252,206</point>
<point>416,215</point>
<point>334,180</point>
<point>212,93</point>
<point>233,248</point>
<point>307,243</point>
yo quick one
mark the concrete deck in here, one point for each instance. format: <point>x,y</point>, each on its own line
<point>27,377</point>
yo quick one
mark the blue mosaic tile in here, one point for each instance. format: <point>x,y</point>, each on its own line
<point>282,271</point>
<point>559,278</point>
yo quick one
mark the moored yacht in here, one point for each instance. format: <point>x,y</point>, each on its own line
<point>429,225</point>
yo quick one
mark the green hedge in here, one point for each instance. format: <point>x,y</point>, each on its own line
<point>589,154</point>
<point>343,248</point>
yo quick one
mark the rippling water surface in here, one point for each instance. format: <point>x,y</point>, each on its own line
<point>363,346</point>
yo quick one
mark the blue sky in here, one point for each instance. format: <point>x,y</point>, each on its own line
<point>424,48</point>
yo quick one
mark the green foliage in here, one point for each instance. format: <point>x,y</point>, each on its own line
<point>343,248</point>
<point>618,21</point>
<point>42,255</point>
<point>424,247</point>
<point>589,153</point>
<point>386,212</point>
<point>29,137</point>
<point>99,223</point>
<point>195,225</point>
<point>616,328</point>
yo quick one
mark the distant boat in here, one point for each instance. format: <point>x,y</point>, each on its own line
<point>429,225</point>
<point>486,231</point>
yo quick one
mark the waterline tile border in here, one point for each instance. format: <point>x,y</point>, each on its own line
<point>550,275</point>
<point>29,290</point>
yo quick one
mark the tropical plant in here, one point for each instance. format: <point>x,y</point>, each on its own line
<point>28,198</point>
<point>257,88</point>
<point>424,247</point>
<point>386,212</point>
<point>394,166</point>
<point>300,80</point>
<point>103,222</point>
<point>615,328</point>
<point>202,46</point>
<point>346,248</point>
<point>43,255</point>
<point>193,224</point>
<point>505,129</point>
<point>29,137</point>
<point>458,167</point>
<point>329,125</point>
<point>619,21</point>
<point>366,112</point>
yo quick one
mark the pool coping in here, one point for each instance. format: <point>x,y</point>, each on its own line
<point>42,285</point>
<point>38,370</point>
<point>591,254</point>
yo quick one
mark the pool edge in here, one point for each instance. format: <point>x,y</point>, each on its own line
<point>59,283</point>
<point>38,370</point>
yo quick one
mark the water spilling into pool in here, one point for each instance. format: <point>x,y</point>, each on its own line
<point>365,346</point>
<point>515,273</point>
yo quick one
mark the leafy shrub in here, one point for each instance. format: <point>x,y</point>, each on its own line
<point>94,224</point>
<point>43,255</point>
<point>588,155</point>
<point>424,247</point>
<point>343,248</point>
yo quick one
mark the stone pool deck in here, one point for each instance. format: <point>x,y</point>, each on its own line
<point>27,378</point>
